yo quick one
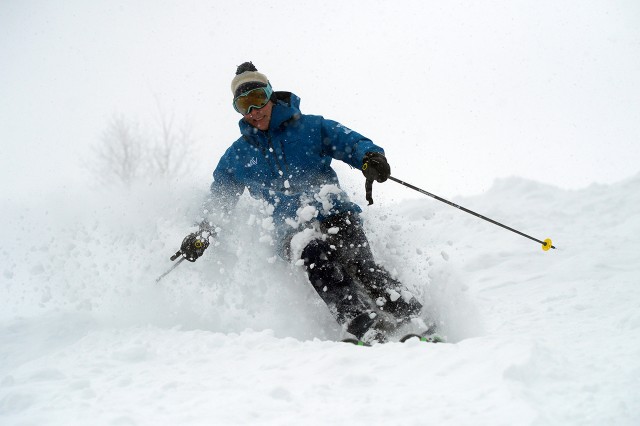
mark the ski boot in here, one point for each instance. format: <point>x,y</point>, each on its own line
<point>370,328</point>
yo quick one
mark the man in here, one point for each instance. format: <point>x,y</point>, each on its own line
<point>284,157</point>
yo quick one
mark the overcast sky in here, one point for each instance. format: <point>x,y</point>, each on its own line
<point>458,93</point>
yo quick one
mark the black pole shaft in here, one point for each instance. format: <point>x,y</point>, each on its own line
<point>415,188</point>
<point>175,265</point>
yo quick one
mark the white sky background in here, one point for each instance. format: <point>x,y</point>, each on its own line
<point>458,93</point>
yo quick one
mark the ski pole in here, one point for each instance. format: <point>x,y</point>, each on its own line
<point>170,269</point>
<point>546,244</point>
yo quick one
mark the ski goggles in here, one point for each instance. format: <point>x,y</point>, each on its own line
<point>252,99</point>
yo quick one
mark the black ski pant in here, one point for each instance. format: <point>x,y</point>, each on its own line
<point>342,270</point>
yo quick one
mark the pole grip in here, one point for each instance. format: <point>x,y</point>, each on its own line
<point>368,187</point>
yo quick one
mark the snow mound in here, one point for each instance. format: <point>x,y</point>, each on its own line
<point>240,337</point>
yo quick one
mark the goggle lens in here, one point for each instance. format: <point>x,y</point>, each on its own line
<point>256,98</point>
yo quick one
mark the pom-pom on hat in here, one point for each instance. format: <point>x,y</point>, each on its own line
<point>247,78</point>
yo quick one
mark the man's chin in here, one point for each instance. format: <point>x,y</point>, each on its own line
<point>261,125</point>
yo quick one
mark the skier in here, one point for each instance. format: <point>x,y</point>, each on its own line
<point>284,157</point>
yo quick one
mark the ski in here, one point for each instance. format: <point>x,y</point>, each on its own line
<point>355,342</point>
<point>427,339</point>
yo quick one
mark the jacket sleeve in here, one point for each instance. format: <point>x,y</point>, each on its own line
<point>344,144</point>
<point>225,189</point>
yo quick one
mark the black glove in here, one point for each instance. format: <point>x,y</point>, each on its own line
<point>375,167</point>
<point>193,246</point>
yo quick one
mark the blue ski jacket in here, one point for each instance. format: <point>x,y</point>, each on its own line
<point>289,164</point>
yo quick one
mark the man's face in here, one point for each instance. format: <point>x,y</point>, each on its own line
<point>260,118</point>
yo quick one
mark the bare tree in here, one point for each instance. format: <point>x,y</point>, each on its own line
<point>125,154</point>
<point>118,157</point>
<point>173,147</point>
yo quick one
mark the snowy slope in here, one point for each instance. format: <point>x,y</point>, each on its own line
<point>239,337</point>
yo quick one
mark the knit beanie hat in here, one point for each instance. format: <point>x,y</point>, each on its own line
<point>247,78</point>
